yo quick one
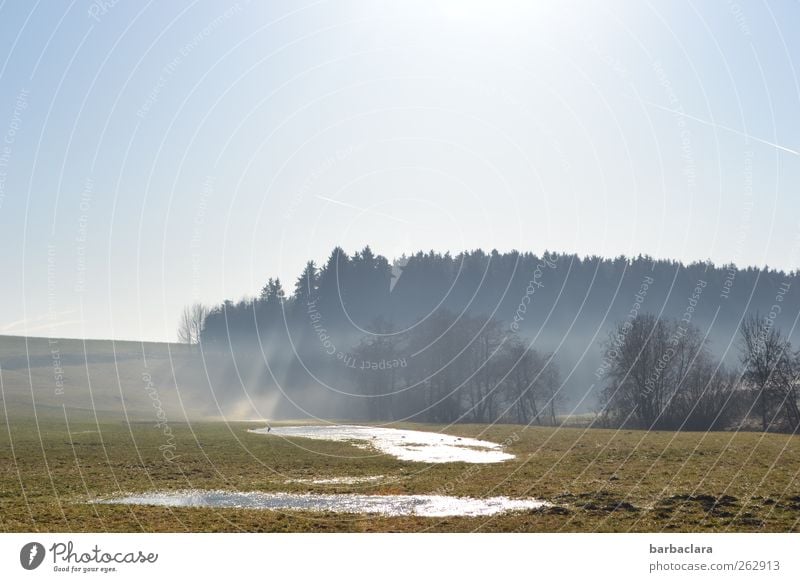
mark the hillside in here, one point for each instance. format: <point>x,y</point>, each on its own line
<point>114,379</point>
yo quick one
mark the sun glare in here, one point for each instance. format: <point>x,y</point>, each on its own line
<point>498,15</point>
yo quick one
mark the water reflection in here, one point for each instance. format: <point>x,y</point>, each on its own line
<point>406,445</point>
<point>388,505</point>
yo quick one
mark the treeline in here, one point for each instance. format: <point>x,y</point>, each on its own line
<point>300,342</point>
<point>451,369</point>
<point>580,293</point>
<point>660,374</point>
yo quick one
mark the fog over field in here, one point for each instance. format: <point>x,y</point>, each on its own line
<point>363,338</point>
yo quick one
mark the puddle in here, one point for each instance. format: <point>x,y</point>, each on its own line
<point>406,445</point>
<point>339,480</point>
<point>388,505</point>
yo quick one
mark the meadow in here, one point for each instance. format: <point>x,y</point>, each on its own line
<point>54,458</point>
<point>597,480</point>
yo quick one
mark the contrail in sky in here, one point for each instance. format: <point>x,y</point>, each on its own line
<point>717,125</point>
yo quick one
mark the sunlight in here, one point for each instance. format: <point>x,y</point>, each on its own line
<point>502,17</point>
<point>483,11</point>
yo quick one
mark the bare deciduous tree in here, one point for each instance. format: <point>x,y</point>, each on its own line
<point>530,384</point>
<point>658,374</point>
<point>191,321</point>
<point>771,370</point>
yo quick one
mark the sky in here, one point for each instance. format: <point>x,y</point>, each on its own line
<point>157,154</point>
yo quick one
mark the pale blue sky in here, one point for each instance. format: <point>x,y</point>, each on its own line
<point>200,147</point>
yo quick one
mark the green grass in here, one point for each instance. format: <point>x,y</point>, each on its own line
<point>99,438</point>
<point>599,480</point>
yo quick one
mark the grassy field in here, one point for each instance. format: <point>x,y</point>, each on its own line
<point>101,436</point>
<point>598,480</point>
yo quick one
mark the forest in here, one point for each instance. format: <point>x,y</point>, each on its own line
<point>515,337</point>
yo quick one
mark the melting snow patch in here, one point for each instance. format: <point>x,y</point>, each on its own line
<point>406,445</point>
<point>388,505</point>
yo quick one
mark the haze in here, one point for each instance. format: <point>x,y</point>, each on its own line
<point>154,156</point>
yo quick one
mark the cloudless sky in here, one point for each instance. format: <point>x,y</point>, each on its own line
<point>155,154</point>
